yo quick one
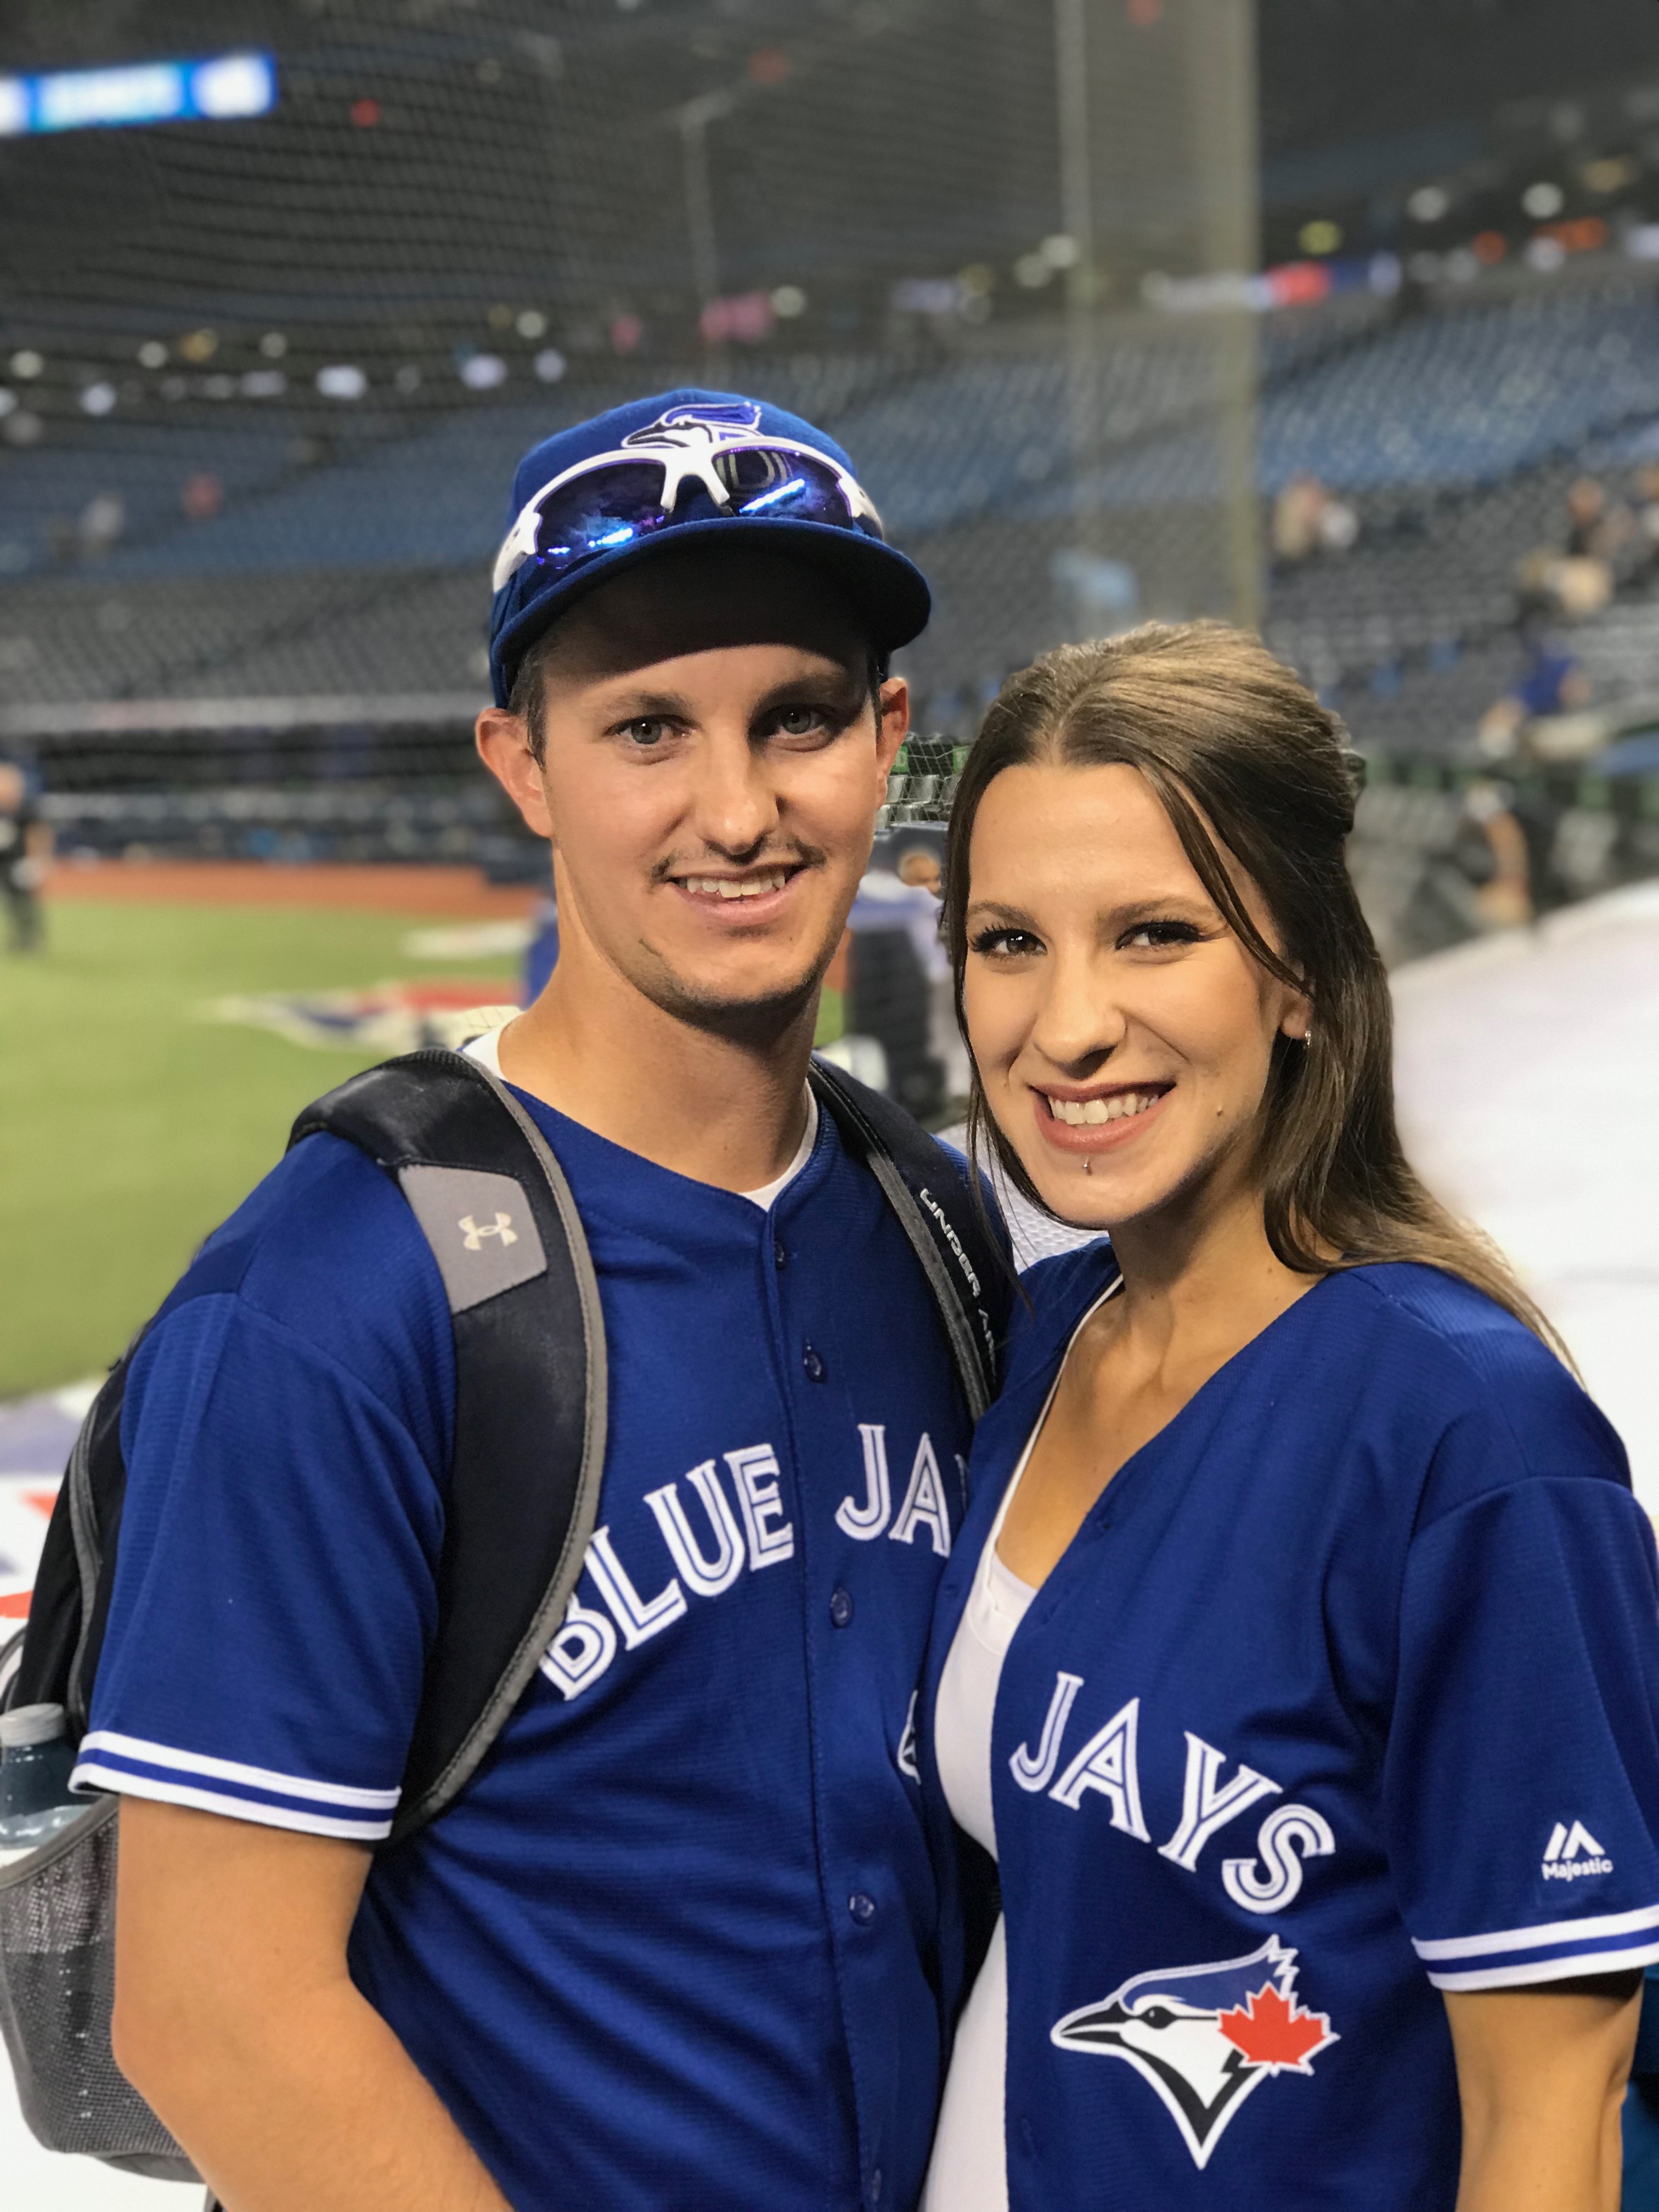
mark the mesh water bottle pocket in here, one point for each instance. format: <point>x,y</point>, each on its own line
<point>57,1993</point>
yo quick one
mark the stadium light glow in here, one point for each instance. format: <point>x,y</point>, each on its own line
<point>223,88</point>
<point>771,498</point>
<point>341,380</point>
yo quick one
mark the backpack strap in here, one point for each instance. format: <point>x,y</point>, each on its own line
<point>530,1389</point>
<point>963,1252</point>
<point>69,1603</point>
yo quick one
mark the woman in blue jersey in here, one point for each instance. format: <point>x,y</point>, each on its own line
<point>1299,1660</point>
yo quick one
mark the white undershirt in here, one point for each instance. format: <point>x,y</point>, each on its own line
<point>969,2171</point>
<point>486,1051</point>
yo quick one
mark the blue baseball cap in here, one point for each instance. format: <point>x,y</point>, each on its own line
<point>780,482</point>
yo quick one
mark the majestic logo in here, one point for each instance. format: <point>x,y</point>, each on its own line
<point>1573,1852</point>
<point>502,1226</point>
<point>1204,2037</point>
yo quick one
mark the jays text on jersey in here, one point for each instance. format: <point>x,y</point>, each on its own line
<point>670,1947</point>
<point>1346,1693</point>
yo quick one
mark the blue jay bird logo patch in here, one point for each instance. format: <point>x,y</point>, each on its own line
<point>713,422</point>
<point>1204,2037</point>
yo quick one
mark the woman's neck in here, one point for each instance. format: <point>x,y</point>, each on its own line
<point>1200,1281</point>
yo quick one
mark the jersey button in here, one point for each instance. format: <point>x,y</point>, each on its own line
<point>841,1608</point>
<point>780,1253</point>
<point>862,1908</point>
<point>813,1364</point>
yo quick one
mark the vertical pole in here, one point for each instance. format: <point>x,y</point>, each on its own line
<point>1082,285</point>
<point>694,118</point>
<point>1221,69</point>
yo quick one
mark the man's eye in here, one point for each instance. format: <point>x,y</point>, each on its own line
<point>649,730</point>
<point>799,721</point>
<point>1005,943</point>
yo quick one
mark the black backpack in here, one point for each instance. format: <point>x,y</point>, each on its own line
<point>527,1460</point>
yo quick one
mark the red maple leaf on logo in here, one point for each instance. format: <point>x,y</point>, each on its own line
<point>1276,2033</point>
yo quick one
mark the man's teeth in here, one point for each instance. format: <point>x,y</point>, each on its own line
<point>736,887</point>
<point>1078,1113</point>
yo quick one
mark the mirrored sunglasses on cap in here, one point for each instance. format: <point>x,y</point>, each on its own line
<point>619,498</point>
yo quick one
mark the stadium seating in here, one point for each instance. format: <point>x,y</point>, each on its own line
<point>351,564</point>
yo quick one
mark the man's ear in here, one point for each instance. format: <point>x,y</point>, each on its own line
<point>895,724</point>
<point>503,743</point>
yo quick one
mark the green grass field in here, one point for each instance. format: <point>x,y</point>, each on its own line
<point>129,1125</point>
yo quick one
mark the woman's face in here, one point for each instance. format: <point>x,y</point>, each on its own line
<point>1121,1032</point>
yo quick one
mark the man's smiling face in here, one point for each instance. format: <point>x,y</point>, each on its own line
<point>711,764</point>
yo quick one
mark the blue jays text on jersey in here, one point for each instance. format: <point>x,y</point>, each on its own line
<point>673,1944</point>
<point>1346,1693</point>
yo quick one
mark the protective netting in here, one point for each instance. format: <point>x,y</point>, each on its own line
<point>274,373</point>
<point>57,1994</point>
<point>263,383</point>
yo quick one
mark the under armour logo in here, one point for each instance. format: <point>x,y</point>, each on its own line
<point>502,1226</point>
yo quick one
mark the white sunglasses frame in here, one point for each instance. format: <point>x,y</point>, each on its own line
<point>679,464</point>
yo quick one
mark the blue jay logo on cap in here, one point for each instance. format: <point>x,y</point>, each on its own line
<point>720,423</point>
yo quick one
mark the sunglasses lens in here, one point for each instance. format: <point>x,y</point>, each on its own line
<point>597,514</point>
<point>763,481</point>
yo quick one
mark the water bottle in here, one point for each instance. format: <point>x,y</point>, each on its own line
<point>36,1764</point>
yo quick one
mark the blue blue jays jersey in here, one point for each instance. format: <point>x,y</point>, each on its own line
<point>1346,1693</point>
<point>671,1948</point>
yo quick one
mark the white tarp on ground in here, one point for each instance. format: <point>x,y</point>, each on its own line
<point>1528,1079</point>
<point>1528,1068</point>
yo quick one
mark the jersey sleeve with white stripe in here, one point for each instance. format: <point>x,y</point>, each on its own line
<point>286,1429</point>
<point>1521,1789</point>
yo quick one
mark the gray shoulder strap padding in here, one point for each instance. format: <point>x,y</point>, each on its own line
<point>481,1229</point>
<point>496,1194</point>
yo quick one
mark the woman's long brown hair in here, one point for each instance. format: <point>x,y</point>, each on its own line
<point>1243,759</point>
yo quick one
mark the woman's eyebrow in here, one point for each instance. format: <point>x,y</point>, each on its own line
<point>1014,917</point>
<point>1175,905</point>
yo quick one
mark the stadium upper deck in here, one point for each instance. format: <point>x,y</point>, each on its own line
<point>355,566</point>
<point>260,385</point>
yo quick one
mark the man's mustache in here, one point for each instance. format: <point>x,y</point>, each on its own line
<point>711,861</point>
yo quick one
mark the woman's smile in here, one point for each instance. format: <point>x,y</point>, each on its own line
<point>1101,1119</point>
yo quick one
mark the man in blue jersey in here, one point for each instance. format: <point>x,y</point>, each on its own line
<point>670,1947</point>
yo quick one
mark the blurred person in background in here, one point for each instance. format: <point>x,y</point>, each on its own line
<point>1552,680</point>
<point>920,866</point>
<point>26,846</point>
<point>901,975</point>
<point>541,954</point>
<point>1596,526</point>
<point>1308,518</point>
<point>1299,1662</point>
<point>1575,578</point>
<point>1644,505</point>
<point>1503,876</point>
